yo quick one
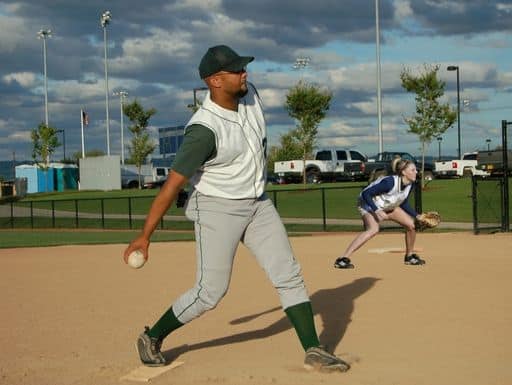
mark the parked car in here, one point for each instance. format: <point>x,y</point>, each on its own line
<point>492,162</point>
<point>328,165</point>
<point>154,183</point>
<point>148,175</point>
<point>457,168</point>
<point>381,165</point>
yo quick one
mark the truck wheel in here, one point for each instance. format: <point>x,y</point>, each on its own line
<point>312,176</point>
<point>467,173</point>
<point>133,184</point>
<point>428,176</point>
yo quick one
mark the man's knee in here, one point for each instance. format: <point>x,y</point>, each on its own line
<point>210,297</point>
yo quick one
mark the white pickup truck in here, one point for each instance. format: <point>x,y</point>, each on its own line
<point>150,176</point>
<point>328,165</point>
<point>457,168</point>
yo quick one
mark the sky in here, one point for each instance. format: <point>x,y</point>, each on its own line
<point>154,49</point>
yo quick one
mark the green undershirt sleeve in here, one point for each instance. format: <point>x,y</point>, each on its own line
<point>198,147</point>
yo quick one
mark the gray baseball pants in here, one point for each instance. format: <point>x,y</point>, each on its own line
<point>220,224</point>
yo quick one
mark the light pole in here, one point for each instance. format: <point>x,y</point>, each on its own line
<point>439,140</point>
<point>63,142</point>
<point>377,53</point>
<point>488,141</point>
<point>122,95</point>
<point>456,68</point>
<point>301,63</point>
<point>105,20</point>
<point>194,106</point>
<point>45,34</point>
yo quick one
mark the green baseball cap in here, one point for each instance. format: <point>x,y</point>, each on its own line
<point>222,58</point>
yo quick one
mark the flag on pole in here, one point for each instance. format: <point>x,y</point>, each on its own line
<point>85,118</point>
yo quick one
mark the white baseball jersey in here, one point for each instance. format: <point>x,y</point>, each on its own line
<point>393,198</point>
<point>238,171</point>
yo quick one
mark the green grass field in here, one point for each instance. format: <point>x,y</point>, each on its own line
<point>451,197</point>
<point>38,238</point>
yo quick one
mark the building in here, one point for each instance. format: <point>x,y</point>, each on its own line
<point>170,139</point>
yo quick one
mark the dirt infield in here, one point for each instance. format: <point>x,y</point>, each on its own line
<point>70,315</point>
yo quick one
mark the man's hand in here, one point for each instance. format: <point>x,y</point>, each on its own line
<point>159,207</point>
<point>140,243</point>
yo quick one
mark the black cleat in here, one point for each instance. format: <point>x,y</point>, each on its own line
<point>317,358</point>
<point>149,350</point>
<point>343,263</point>
<point>414,260</point>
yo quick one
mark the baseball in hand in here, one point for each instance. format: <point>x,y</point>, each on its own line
<point>136,259</point>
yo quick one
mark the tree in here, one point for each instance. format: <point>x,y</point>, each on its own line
<point>44,141</point>
<point>88,154</point>
<point>432,118</point>
<point>307,104</point>
<point>141,144</point>
<point>288,149</point>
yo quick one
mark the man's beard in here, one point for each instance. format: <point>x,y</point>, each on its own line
<point>242,92</point>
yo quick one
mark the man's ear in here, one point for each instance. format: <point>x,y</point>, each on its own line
<point>213,81</point>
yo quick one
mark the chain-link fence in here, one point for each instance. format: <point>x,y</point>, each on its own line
<point>487,204</point>
<point>491,196</point>
<point>317,209</point>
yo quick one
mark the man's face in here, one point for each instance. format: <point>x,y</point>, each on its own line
<point>234,83</point>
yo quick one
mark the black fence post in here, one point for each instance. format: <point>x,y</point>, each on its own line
<point>506,218</point>
<point>12,215</point>
<point>76,213</point>
<point>274,194</point>
<point>323,209</point>
<point>418,206</point>
<point>475,204</point>
<point>32,214</point>
<point>130,212</point>
<point>102,213</point>
<point>53,214</point>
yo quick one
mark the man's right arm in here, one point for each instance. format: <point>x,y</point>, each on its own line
<point>165,197</point>
<point>198,147</point>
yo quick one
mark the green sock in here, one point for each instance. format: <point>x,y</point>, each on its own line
<point>301,317</point>
<point>165,325</point>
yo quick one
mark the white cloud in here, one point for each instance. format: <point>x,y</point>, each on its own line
<point>504,7</point>
<point>24,79</point>
<point>17,32</point>
<point>161,44</point>
<point>222,28</point>
<point>273,97</point>
<point>452,6</point>
<point>22,136</point>
<point>391,106</point>
<point>402,10</point>
<point>363,77</point>
<point>505,79</point>
<point>9,135</point>
<point>207,5</point>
